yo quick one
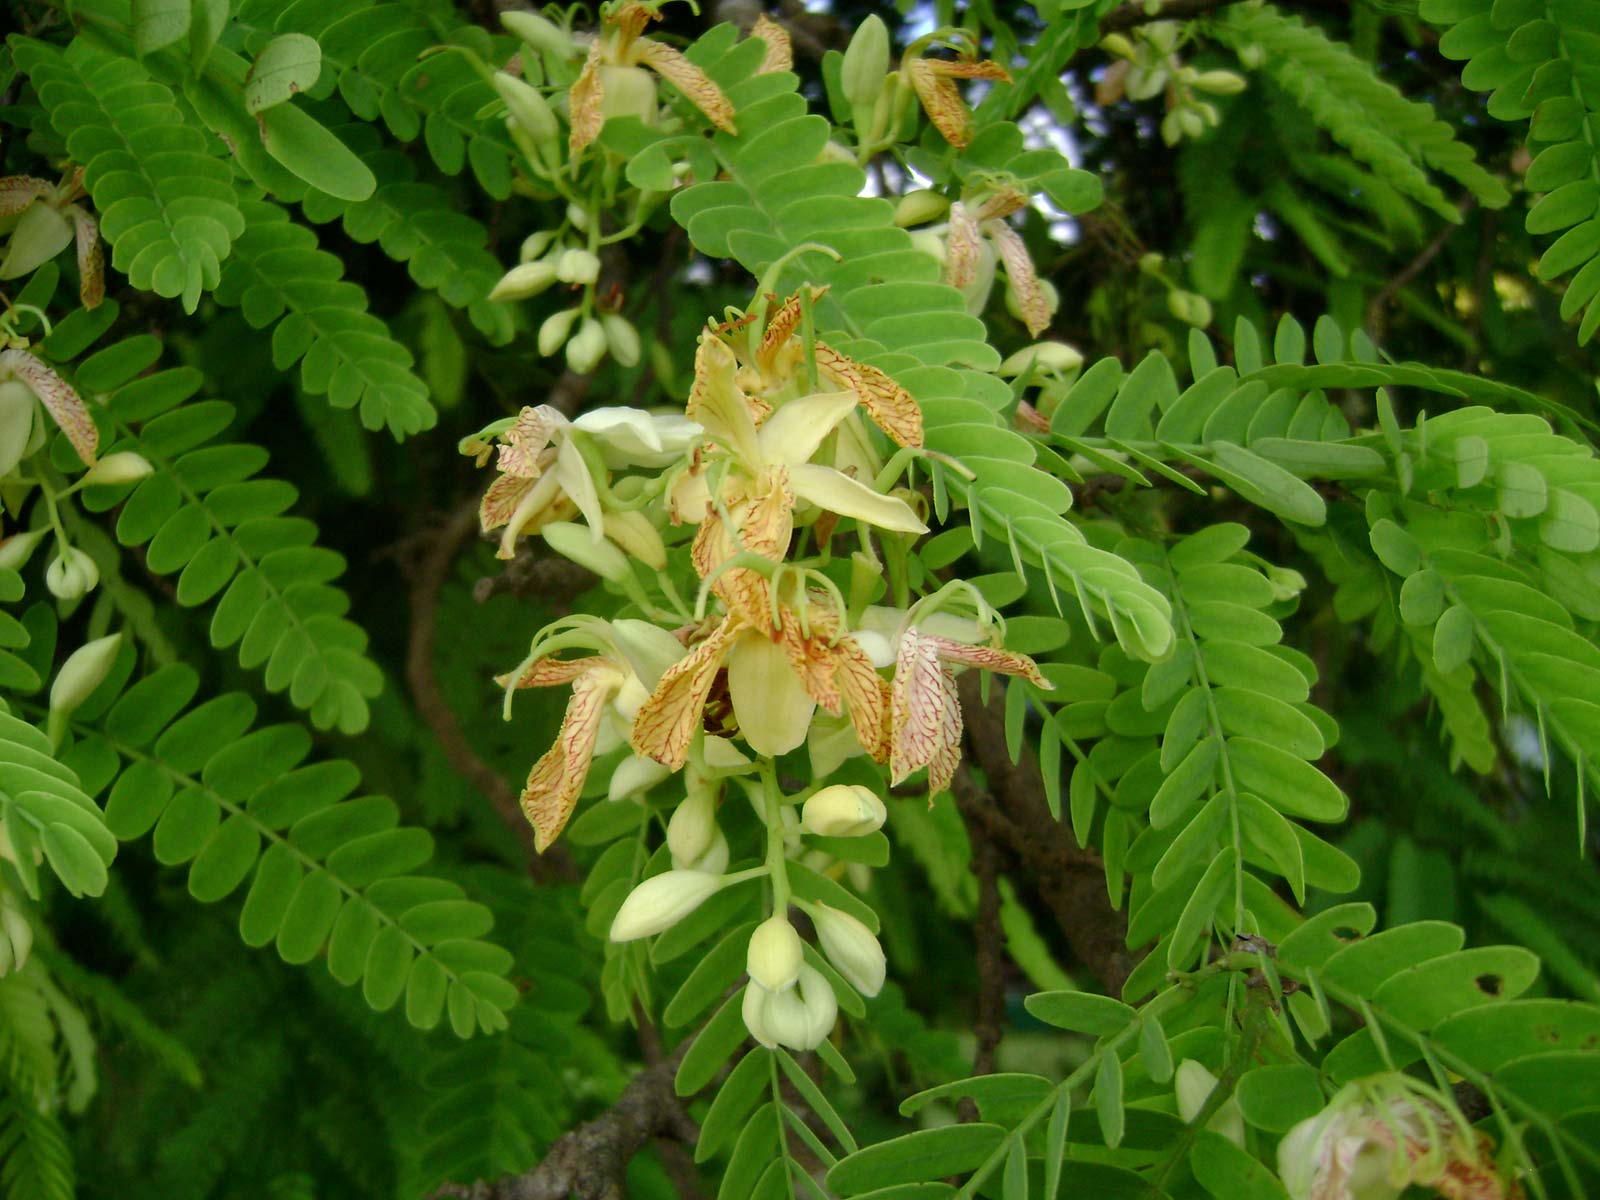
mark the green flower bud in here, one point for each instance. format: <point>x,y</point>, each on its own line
<point>866,62</point>
<point>122,467</point>
<point>525,280</point>
<point>587,347</point>
<point>1053,357</point>
<point>553,333</point>
<point>18,548</point>
<point>920,207</point>
<point>541,35</point>
<point>531,110</point>
<point>622,338</point>
<point>535,244</point>
<point>1220,83</point>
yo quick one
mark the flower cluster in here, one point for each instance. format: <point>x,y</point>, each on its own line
<point>759,489</point>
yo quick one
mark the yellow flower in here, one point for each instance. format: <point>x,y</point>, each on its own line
<point>777,675</point>
<point>612,84</point>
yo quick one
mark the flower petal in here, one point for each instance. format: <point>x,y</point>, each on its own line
<point>91,258</point>
<point>551,672</point>
<point>572,472</point>
<point>584,102</point>
<point>795,431</point>
<point>828,489</point>
<point>780,53</point>
<point>526,440</point>
<point>667,721</point>
<point>555,781</point>
<point>943,104</point>
<point>988,658</point>
<point>1031,301</point>
<point>924,716</point>
<point>890,406</point>
<point>769,700</point>
<point>689,79</point>
<point>63,404</point>
<point>866,695</point>
<point>717,404</point>
<point>18,192</point>
<point>631,437</point>
<point>961,251</point>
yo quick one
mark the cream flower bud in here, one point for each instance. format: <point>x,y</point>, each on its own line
<point>71,574</point>
<point>540,34</point>
<point>1057,357</point>
<point>775,954</point>
<point>575,542</point>
<point>524,281</point>
<point>553,333</point>
<point>1220,83</point>
<point>753,1009</point>
<point>715,860</point>
<point>83,671</point>
<point>920,207</point>
<point>531,110</point>
<point>866,62</point>
<point>18,548</point>
<point>692,826</point>
<point>851,948</point>
<point>535,244</point>
<point>843,810</point>
<point>632,531</point>
<point>577,265</point>
<point>587,347</point>
<point>1194,1084</point>
<point>798,1017</point>
<point>635,774</point>
<point>622,338</point>
<point>122,467</point>
<point>661,901</point>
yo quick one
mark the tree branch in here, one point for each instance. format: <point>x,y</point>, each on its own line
<point>1012,814</point>
<point>591,1162</point>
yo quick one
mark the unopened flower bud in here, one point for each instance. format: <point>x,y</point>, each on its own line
<point>693,825</point>
<point>577,543</point>
<point>587,347</point>
<point>1286,582</point>
<point>1220,83</point>
<point>798,1017</point>
<point>635,774</point>
<point>632,532</point>
<point>122,467</point>
<point>18,548</point>
<point>661,901</point>
<point>553,333</point>
<point>775,954</point>
<point>851,948</point>
<point>920,207</point>
<point>577,266</point>
<point>524,281</point>
<point>1194,1085</point>
<point>866,62</point>
<point>622,339</point>
<point>1116,43</point>
<point>1252,56</point>
<point>540,34</point>
<point>1192,122</point>
<point>18,405</point>
<point>85,669</point>
<point>535,244</point>
<point>1189,307</point>
<point>1054,357</point>
<point>71,574</point>
<point>528,106</point>
<point>843,810</point>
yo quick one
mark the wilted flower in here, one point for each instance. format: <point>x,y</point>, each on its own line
<point>606,692</point>
<point>1376,1138</point>
<point>933,79</point>
<point>969,262</point>
<point>612,84</point>
<point>47,218</point>
<point>63,404</point>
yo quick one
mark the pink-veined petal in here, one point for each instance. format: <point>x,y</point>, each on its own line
<point>866,696</point>
<point>64,405</point>
<point>961,249</point>
<point>1031,300</point>
<point>924,715</point>
<point>553,672</point>
<point>988,658</point>
<point>665,724</point>
<point>556,780</point>
<point>689,79</point>
<point>891,407</point>
<point>526,440</point>
<point>18,192</point>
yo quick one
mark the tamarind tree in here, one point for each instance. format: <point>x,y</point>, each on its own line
<point>972,600</point>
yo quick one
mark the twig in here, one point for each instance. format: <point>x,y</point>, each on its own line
<point>590,1163</point>
<point>1136,13</point>
<point>427,578</point>
<point>988,1027</point>
<point>1377,308</point>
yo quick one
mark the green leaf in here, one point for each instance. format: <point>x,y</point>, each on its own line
<point>733,1102</point>
<point>1081,1012</point>
<point>290,63</point>
<point>927,1154</point>
<point>1267,484</point>
<point>1108,1098</point>
<point>1202,904</point>
<point>1154,1052</point>
<point>1228,1173</point>
<point>158,23</point>
<point>1277,1098</point>
<point>305,147</point>
<point>713,1046</point>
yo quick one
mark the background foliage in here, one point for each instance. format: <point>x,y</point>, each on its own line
<point>1308,546</point>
